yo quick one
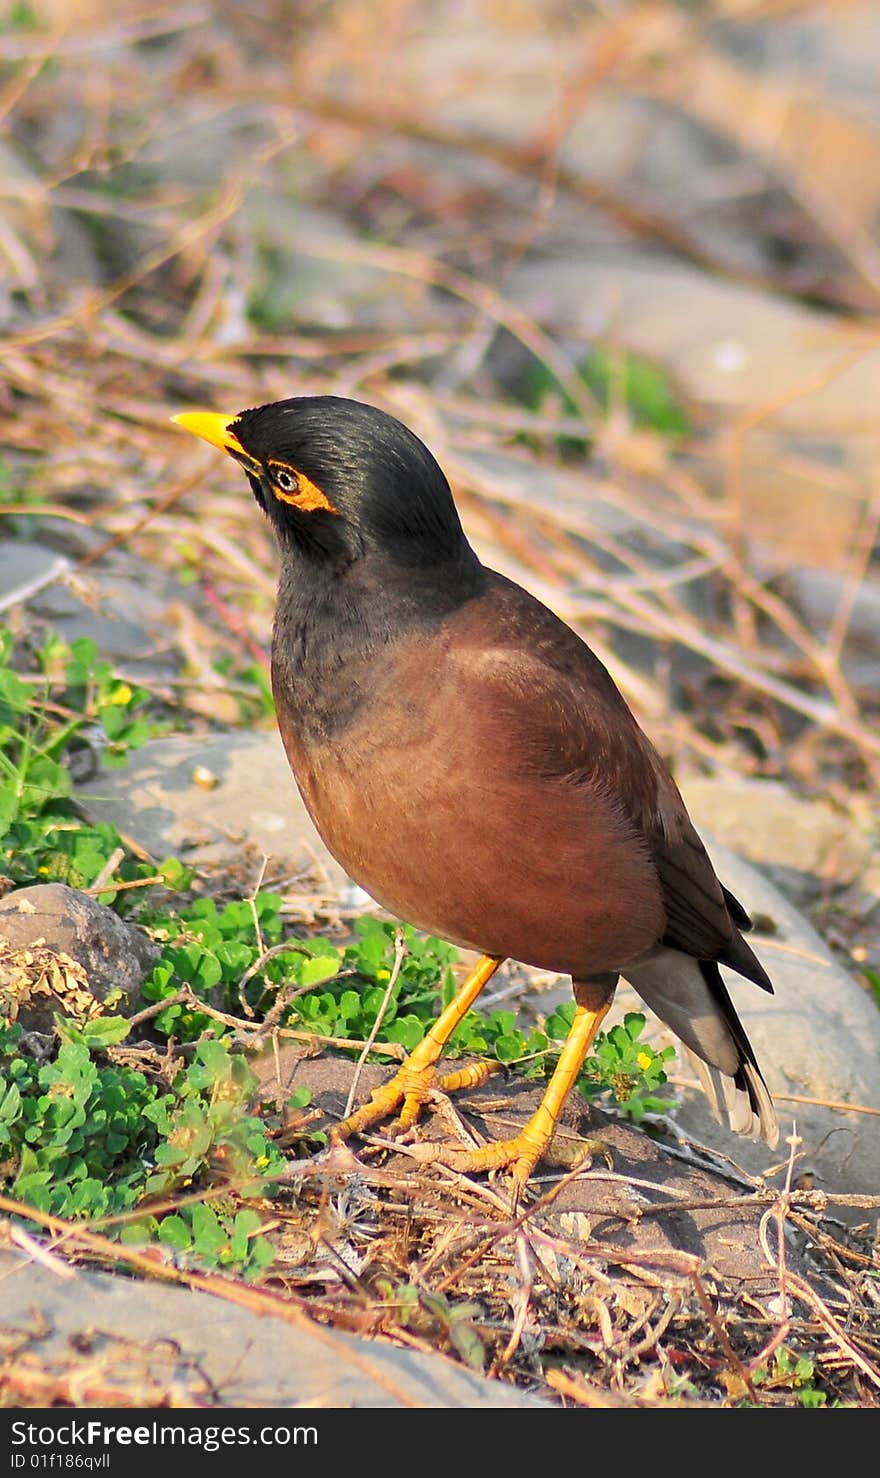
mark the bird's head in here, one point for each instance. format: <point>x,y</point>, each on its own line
<point>340,479</point>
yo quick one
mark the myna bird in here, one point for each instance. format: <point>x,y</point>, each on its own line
<point>470,762</point>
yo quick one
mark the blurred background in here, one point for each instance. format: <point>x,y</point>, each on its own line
<point>617,263</point>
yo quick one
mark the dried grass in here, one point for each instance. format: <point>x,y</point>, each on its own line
<point>533,1298</point>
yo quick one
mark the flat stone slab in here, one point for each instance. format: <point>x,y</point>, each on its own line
<point>817,1037</point>
<point>167,1339</point>
<point>27,568</point>
<point>202,798</point>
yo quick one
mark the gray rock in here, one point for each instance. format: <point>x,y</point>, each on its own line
<point>202,797</point>
<point>26,568</point>
<point>804,845</point>
<point>112,954</point>
<point>862,900</point>
<point>213,1352</point>
<point>727,344</point>
<point>31,220</point>
<point>122,605</point>
<point>817,1037</point>
<point>841,45</point>
<point>735,348</point>
<point>819,594</point>
<point>311,270</point>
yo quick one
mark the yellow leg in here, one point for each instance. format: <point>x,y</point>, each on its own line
<point>416,1078</point>
<point>525,1150</point>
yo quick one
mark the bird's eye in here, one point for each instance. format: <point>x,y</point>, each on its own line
<point>287,481</point>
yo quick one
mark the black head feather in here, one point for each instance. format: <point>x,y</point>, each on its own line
<point>372,548</point>
<point>388,491</point>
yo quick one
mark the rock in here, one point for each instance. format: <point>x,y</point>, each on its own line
<point>45,245</point>
<point>863,898</point>
<point>200,1350</point>
<point>736,348</point>
<point>63,950</point>
<point>819,595</point>
<point>729,345</point>
<point>312,271</point>
<point>202,797</point>
<point>805,846</point>
<point>817,1037</point>
<point>122,605</point>
<point>26,568</point>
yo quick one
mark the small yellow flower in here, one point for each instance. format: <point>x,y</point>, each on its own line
<point>383,974</point>
<point>121,695</point>
<point>644,1060</point>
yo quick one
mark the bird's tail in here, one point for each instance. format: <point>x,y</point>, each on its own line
<point>690,996</point>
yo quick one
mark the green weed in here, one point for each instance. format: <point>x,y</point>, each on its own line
<point>251,686</point>
<point>68,706</point>
<point>338,992</point>
<point>792,1372</point>
<point>432,1315</point>
<point>614,378</point>
<point>82,1137</point>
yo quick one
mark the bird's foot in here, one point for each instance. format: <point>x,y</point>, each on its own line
<point>519,1155</point>
<point>409,1090</point>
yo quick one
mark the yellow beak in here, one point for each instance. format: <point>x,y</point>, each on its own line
<point>213,428</point>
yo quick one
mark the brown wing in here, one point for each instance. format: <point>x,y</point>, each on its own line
<point>581,727</point>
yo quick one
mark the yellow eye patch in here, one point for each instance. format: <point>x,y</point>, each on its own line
<point>295,488</point>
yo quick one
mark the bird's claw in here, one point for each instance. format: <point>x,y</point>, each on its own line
<point>409,1090</point>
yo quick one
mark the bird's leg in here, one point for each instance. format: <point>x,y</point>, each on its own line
<point>523,1152</point>
<point>416,1078</point>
